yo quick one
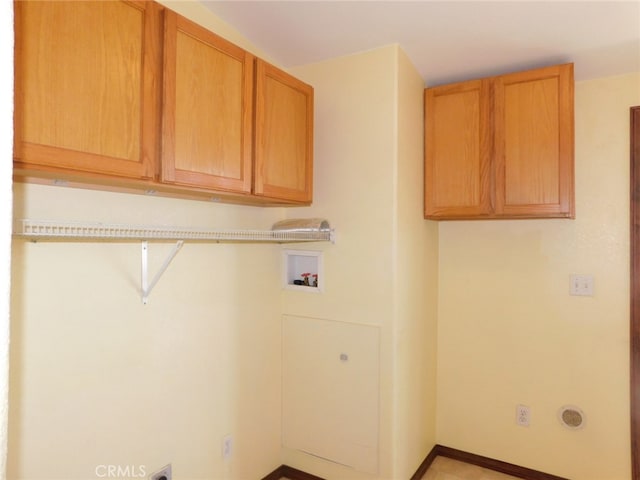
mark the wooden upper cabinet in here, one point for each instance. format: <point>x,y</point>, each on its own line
<point>283,158</point>
<point>87,84</point>
<point>501,147</point>
<point>534,142</point>
<point>207,121</point>
<point>458,150</point>
<point>131,95</point>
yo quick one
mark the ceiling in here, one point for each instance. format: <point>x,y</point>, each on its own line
<point>447,41</point>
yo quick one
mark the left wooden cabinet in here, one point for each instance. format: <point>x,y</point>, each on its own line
<point>130,94</point>
<point>87,85</point>
<point>283,158</point>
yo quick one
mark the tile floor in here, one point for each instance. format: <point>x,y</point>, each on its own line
<point>444,468</point>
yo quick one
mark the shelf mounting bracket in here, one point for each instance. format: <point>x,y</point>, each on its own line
<point>146,285</point>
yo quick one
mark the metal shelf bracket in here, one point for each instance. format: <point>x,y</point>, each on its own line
<point>146,285</point>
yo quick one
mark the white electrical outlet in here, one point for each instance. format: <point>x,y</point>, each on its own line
<point>227,447</point>
<point>523,415</point>
<point>164,474</point>
<point>581,285</point>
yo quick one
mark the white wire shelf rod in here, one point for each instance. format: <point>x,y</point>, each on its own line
<point>38,229</point>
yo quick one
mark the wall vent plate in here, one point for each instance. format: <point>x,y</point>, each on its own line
<point>571,417</point>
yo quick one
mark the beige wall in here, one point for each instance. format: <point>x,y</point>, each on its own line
<point>416,286</point>
<point>98,378</point>
<point>354,160</point>
<point>6,147</point>
<point>368,178</point>
<point>509,333</point>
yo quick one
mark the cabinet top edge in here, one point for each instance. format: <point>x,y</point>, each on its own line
<point>567,67</point>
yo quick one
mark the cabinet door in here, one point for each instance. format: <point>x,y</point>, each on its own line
<point>457,151</point>
<point>284,135</point>
<point>534,143</point>
<point>207,109</point>
<point>86,86</point>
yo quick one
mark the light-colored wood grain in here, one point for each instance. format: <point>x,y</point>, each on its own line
<point>534,142</point>
<point>284,135</point>
<point>501,147</point>
<point>87,81</point>
<point>131,95</point>
<point>207,109</point>
<point>457,149</point>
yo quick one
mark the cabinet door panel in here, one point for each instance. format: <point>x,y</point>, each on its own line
<point>534,143</point>
<point>87,76</point>
<point>457,149</point>
<point>207,117</point>
<point>284,135</point>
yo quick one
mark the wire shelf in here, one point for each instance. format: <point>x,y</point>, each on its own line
<point>51,230</point>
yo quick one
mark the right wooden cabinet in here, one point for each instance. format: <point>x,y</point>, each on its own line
<point>283,157</point>
<point>231,121</point>
<point>501,147</point>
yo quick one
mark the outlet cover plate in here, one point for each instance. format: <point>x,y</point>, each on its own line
<point>581,285</point>
<point>523,415</point>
